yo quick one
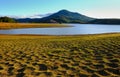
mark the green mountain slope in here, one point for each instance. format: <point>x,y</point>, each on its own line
<point>65,16</point>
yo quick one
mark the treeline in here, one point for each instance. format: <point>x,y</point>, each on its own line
<point>7,19</point>
<point>106,21</point>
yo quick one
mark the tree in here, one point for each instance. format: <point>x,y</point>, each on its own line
<point>7,19</point>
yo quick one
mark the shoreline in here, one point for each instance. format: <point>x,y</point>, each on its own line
<point>59,35</point>
<point>7,26</point>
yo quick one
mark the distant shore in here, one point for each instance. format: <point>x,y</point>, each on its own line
<point>29,25</point>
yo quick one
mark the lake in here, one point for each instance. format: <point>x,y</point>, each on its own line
<point>75,30</point>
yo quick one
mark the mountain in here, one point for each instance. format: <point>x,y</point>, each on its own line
<point>63,16</point>
<point>105,21</point>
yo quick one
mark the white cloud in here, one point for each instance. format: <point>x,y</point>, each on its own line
<point>30,16</point>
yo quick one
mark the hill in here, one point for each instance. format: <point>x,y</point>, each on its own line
<point>7,19</point>
<point>63,16</point>
<point>106,21</point>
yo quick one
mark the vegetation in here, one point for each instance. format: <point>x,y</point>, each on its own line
<point>28,25</point>
<point>63,16</point>
<point>7,19</point>
<point>106,21</point>
<point>60,56</point>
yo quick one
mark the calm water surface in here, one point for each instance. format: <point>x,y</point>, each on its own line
<point>76,29</point>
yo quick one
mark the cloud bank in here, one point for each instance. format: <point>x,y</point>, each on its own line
<point>30,16</point>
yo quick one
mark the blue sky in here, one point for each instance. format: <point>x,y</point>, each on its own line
<point>92,8</point>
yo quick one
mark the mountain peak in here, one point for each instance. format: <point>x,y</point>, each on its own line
<point>64,10</point>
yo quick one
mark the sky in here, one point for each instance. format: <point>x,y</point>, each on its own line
<point>41,8</point>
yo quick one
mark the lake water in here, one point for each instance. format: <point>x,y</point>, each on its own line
<point>75,30</point>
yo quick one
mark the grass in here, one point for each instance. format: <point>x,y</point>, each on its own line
<point>60,56</point>
<point>28,25</point>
